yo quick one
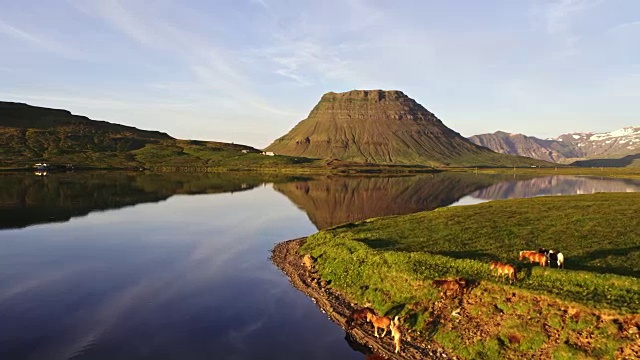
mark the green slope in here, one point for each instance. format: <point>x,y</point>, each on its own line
<point>585,311</point>
<point>385,127</point>
<point>30,134</point>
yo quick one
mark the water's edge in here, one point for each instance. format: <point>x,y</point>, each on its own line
<point>337,307</point>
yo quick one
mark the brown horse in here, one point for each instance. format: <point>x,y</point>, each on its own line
<point>534,256</point>
<point>524,254</point>
<point>455,286</point>
<point>356,315</point>
<point>504,269</point>
<point>379,322</point>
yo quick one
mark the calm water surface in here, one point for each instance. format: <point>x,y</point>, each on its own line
<point>149,266</point>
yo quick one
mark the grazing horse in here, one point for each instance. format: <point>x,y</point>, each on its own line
<point>534,256</point>
<point>379,322</point>
<point>455,286</point>
<point>524,254</point>
<point>557,257</point>
<point>396,333</point>
<point>359,314</point>
<point>505,269</point>
<point>553,256</point>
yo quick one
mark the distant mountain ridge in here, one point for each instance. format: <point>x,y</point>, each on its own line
<point>32,134</point>
<point>567,148</point>
<point>384,127</point>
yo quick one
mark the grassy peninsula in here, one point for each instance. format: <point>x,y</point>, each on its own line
<point>588,310</point>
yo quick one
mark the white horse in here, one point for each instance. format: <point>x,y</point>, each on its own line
<point>557,257</point>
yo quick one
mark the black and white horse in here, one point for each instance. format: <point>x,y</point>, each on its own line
<point>553,257</point>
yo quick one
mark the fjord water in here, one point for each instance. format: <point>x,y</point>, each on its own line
<point>135,266</point>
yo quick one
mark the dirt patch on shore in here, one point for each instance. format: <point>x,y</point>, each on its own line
<point>285,256</point>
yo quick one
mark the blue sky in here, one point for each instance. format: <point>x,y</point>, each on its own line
<point>247,71</point>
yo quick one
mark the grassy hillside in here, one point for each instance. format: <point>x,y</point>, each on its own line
<point>587,310</point>
<point>383,127</point>
<point>30,134</point>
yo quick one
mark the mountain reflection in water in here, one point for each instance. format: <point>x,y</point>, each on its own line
<point>336,200</point>
<point>189,276</point>
<point>27,200</point>
<point>556,185</point>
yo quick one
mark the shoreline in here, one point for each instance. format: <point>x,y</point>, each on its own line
<point>337,307</point>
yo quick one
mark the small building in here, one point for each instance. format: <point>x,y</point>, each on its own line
<point>268,153</point>
<point>41,166</point>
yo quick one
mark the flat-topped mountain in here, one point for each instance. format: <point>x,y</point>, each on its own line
<point>333,201</point>
<point>616,147</point>
<point>378,126</point>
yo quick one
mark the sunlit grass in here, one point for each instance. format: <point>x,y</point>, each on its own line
<point>390,263</point>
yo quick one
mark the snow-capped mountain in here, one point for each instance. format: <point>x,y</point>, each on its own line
<point>620,142</point>
<point>566,148</point>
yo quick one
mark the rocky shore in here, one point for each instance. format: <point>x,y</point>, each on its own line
<point>285,256</point>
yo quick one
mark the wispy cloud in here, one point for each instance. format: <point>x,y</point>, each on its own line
<point>39,42</point>
<point>626,26</point>
<point>212,66</point>
<point>306,62</point>
<point>301,48</point>
<point>558,15</point>
<point>558,18</point>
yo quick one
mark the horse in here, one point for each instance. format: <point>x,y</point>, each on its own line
<point>379,322</point>
<point>551,255</point>
<point>396,333</point>
<point>456,286</point>
<point>524,254</point>
<point>505,269</point>
<point>533,256</point>
<point>557,257</point>
<point>359,314</point>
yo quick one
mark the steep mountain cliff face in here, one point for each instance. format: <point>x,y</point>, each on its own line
<point>379,126</point>
<point>625,141</point>
<point>567,148</point>
<point>518,144</point>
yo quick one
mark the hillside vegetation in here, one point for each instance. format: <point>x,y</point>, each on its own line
<point>30,134</point>
<point>587,310</point>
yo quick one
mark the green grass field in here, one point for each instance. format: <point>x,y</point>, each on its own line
<point>390,262</point>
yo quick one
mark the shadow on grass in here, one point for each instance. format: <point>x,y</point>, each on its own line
<point>379,243</point>
<point>396,310</point>
<point>581,262</point>
<point>526,268</point>
<point>468,254</point>
<point>433,326</point>
<point>621,162</point>
<point>347,226</point>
